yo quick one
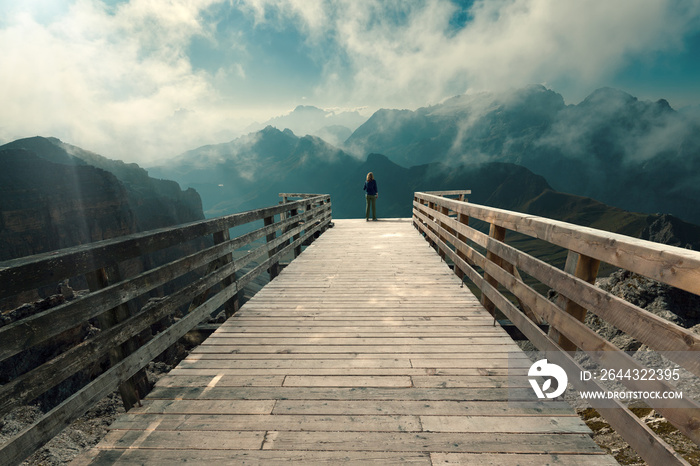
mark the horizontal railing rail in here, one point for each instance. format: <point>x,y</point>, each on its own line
<point>287,196</point>
<point>213,285</point>
<point>460,193</point>
<point>445,224</point>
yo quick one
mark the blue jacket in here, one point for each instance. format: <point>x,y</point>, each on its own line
<point>371,187</point>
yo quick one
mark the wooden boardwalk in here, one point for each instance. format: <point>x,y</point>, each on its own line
<point>365,349</point>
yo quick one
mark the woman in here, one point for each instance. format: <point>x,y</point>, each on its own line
<point>371,196</point>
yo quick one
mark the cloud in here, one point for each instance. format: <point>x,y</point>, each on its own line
<point>407,53</point>
<point>109,80</point>
<point>114,79</point>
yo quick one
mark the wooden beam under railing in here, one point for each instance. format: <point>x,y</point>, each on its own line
<point>207,293</point>
<point>501,262</point>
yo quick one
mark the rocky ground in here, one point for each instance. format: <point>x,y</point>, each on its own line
<point>677,306</point>
<point>87,431</point>
<point>83,434</point>
<point>611,441</point>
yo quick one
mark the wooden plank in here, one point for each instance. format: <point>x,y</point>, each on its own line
<point>424,408</point>
<point>342,392</point>
<point>274,268</point>
<point>510,424</point>
<point>635,431</point>
<point>470,352</point>
<point>675,266</point>
<point>357,353</point>
<point>498,233</point>
<point>297,364</point>
<point>469,308</point>
<point>19,446</point>
<point>348,381</point>
<point>154,439</point>
<point>428,441</point>
<point>405,372</point>
<point>602,351</point>
<point>685,412</point>
<point>458,313</point>
<point>468,381</point>
<point>680,344</point>
<point>30,272</point>
<point>470,342</point>
<point>53,422</point>
<point>344,370</point>
<point>465,351</point>
<point>586,270</point>
<point>561,300</point>
<point>333,328</point>
<point>467,363</point>
<point>205,407</point>
<point>529,459</point>
<point>348,332</point>
<point>136,387</point>
<point>257,422</point>
<point>406,322</point>
<point>302,195</point>
<point>229,457</point>
<point>221,380</point>
<point>454,192</point>
<point>37,328</point>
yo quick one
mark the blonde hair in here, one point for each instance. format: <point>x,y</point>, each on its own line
<point>370,176</point>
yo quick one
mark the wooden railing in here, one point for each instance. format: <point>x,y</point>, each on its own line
<point>111,302</point>
<point>445,223</point>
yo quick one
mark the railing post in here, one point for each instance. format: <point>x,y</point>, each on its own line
<point>307,207</point>
<point>297,249</point>
<point>318,233</point>
<point>431,206</point>
<point>134,389</point>
<point>499,234</point>
<point>274,268</point>
<point>414,218</point>
<point>441,225</point>
<point>231,305</point>
<point>585,268</point>
<point>463,219</point>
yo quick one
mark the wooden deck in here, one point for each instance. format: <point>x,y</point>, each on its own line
<point>365,349</point>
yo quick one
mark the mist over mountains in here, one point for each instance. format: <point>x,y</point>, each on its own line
<point>636,155</point>
<point>594,163</point>
<point>249,172</point>
<point>333,127</point>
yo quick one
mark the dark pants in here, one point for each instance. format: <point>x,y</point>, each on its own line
<point>371,202</point>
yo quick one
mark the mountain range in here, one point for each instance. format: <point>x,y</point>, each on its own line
<point>55,195</point>
<point>249,173</point>
<point>330,125</point>
<point>595,163</point>
<point>637,155</point>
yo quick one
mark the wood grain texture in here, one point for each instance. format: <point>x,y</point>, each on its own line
<point>25,333</point>
<point>642,439</point>
<point>365,348</point>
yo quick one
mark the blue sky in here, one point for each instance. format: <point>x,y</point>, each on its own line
<point>141,80</point>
